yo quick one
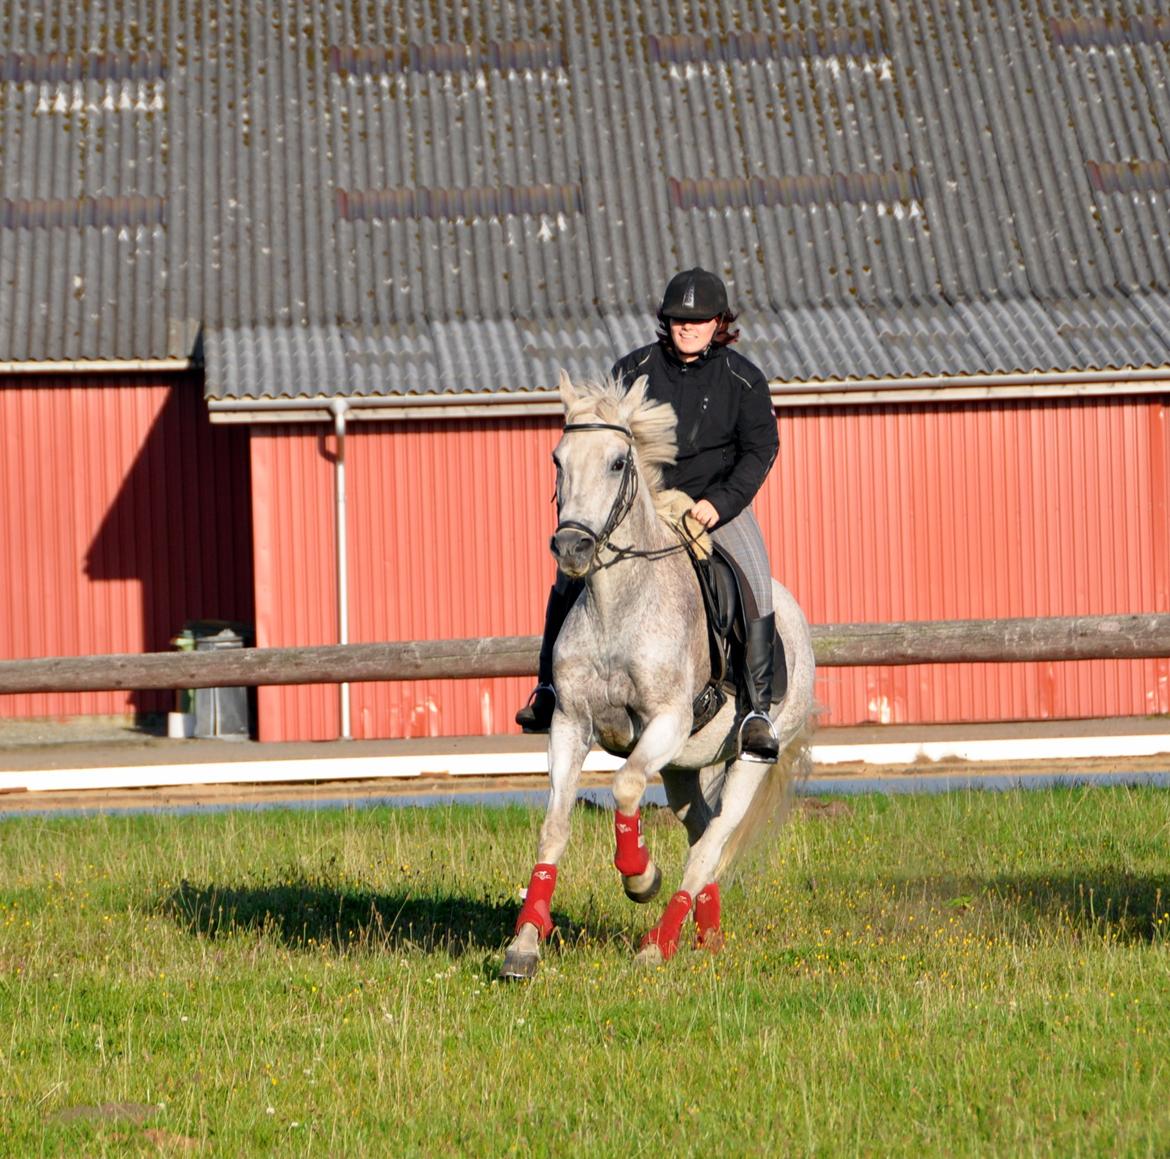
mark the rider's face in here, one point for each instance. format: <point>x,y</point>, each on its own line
<point>691,337</point>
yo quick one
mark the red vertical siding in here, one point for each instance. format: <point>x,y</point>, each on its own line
<point>976,511</point>
<point>872,514</point>
<point>123,515</point>
<point>449,525</point>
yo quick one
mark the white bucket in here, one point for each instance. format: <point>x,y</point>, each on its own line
<point>180,725</point>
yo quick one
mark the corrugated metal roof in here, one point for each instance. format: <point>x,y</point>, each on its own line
<point>405,198</point>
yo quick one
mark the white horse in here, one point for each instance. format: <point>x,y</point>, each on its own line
<point>629,662</point>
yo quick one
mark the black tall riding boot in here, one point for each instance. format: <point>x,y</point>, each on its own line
<point>536,715</point>
<point>757,737</point>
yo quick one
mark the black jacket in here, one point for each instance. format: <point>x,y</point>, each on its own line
<point>727,438</point>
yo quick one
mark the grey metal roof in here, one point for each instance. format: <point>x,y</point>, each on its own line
<point>397,198</point>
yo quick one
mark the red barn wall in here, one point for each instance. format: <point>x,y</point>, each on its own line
<point>449,524</point>
<point>978,511</point>
<point>123,514</point>
<point>939,511</point>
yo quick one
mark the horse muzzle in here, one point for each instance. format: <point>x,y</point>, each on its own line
<point>574,549</point>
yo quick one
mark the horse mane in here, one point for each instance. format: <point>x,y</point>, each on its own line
<point>651,423</point>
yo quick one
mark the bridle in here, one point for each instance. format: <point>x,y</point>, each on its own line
<point>622,503</point>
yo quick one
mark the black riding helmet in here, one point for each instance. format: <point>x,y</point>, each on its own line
<point>695,294</point>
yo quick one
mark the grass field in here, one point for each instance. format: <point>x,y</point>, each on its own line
<point>963,974</point>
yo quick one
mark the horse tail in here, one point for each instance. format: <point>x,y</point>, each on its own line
<point>795,719</point>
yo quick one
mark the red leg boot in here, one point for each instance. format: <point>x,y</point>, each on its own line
<point>665,935</point>
<point>708,935</point>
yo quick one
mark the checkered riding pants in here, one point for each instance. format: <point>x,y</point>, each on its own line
<point>742,539</point>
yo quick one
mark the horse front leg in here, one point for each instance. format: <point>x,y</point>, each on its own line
<point>568,744</point>
<point>660,742</point>
<point>699,887</point>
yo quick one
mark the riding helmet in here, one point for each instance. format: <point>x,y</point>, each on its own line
<point>696,294</point>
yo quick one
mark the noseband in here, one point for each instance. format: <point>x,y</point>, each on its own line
<point>623,500</point>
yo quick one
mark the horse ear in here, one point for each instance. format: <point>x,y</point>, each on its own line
<point>568,390</point>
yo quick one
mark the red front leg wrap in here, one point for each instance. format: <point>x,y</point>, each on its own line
<point>632,856</point>
<point>538,899</point>
<point>665,935</point>
<point>708,935</point>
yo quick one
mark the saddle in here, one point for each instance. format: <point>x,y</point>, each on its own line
<point>729,604</point>
<point>723,589</point>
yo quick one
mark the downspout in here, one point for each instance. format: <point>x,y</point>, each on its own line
<point>339,407</point>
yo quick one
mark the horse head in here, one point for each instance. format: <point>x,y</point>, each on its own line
<point>609,463</point>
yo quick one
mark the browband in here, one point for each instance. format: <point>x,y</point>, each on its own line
<point>600,427</point>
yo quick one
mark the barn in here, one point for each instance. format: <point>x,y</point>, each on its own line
<point>258,257</point>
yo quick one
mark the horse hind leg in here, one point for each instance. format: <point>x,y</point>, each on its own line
<point>708,915</point>
<point>690,793</point>
<point>704,864</point>
<point>688,801</point>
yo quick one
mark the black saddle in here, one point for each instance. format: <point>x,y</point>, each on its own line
<point>728,599</point>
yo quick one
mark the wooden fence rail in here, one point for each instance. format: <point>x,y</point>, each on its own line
<point>1136,637</point>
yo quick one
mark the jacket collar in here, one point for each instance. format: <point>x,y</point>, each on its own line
<point>712,352</point>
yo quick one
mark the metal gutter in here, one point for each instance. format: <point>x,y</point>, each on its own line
<point>850,392</point>
<point>974,387</point>
<point>383,408</point>
<point>99,366</point>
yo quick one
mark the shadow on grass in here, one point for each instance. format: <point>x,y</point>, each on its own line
<point>1105,902</point>
<point>309,915</point>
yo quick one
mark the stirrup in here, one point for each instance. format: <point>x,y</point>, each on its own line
<point>536,715</point>
<point>766,751</point>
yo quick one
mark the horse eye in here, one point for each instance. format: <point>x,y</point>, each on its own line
<point>619,464</point>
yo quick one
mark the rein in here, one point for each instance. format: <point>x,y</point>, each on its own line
<point>622,504</point>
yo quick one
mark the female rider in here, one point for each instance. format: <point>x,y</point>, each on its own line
<point>727,442</point>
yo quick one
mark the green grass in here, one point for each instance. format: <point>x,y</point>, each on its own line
<point>969,974</point>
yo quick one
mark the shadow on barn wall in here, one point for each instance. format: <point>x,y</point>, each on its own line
<point>180,525</point>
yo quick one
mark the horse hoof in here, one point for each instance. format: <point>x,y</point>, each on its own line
<point>519,966</point>
<point>649,956</point>
<point>647,893</point>
<point>712,941</point>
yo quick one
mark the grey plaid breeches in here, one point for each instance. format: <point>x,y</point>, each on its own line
<point>744,542</point>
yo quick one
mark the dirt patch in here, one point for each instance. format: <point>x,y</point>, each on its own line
<point>106,1113</point>
<point>818,807</point>
<point>167,1141</point>
<point>658,817</point>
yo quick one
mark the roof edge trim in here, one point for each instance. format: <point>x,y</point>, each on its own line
<point>97,366</point>
<point>969,387</point>
<point>537,403</point>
